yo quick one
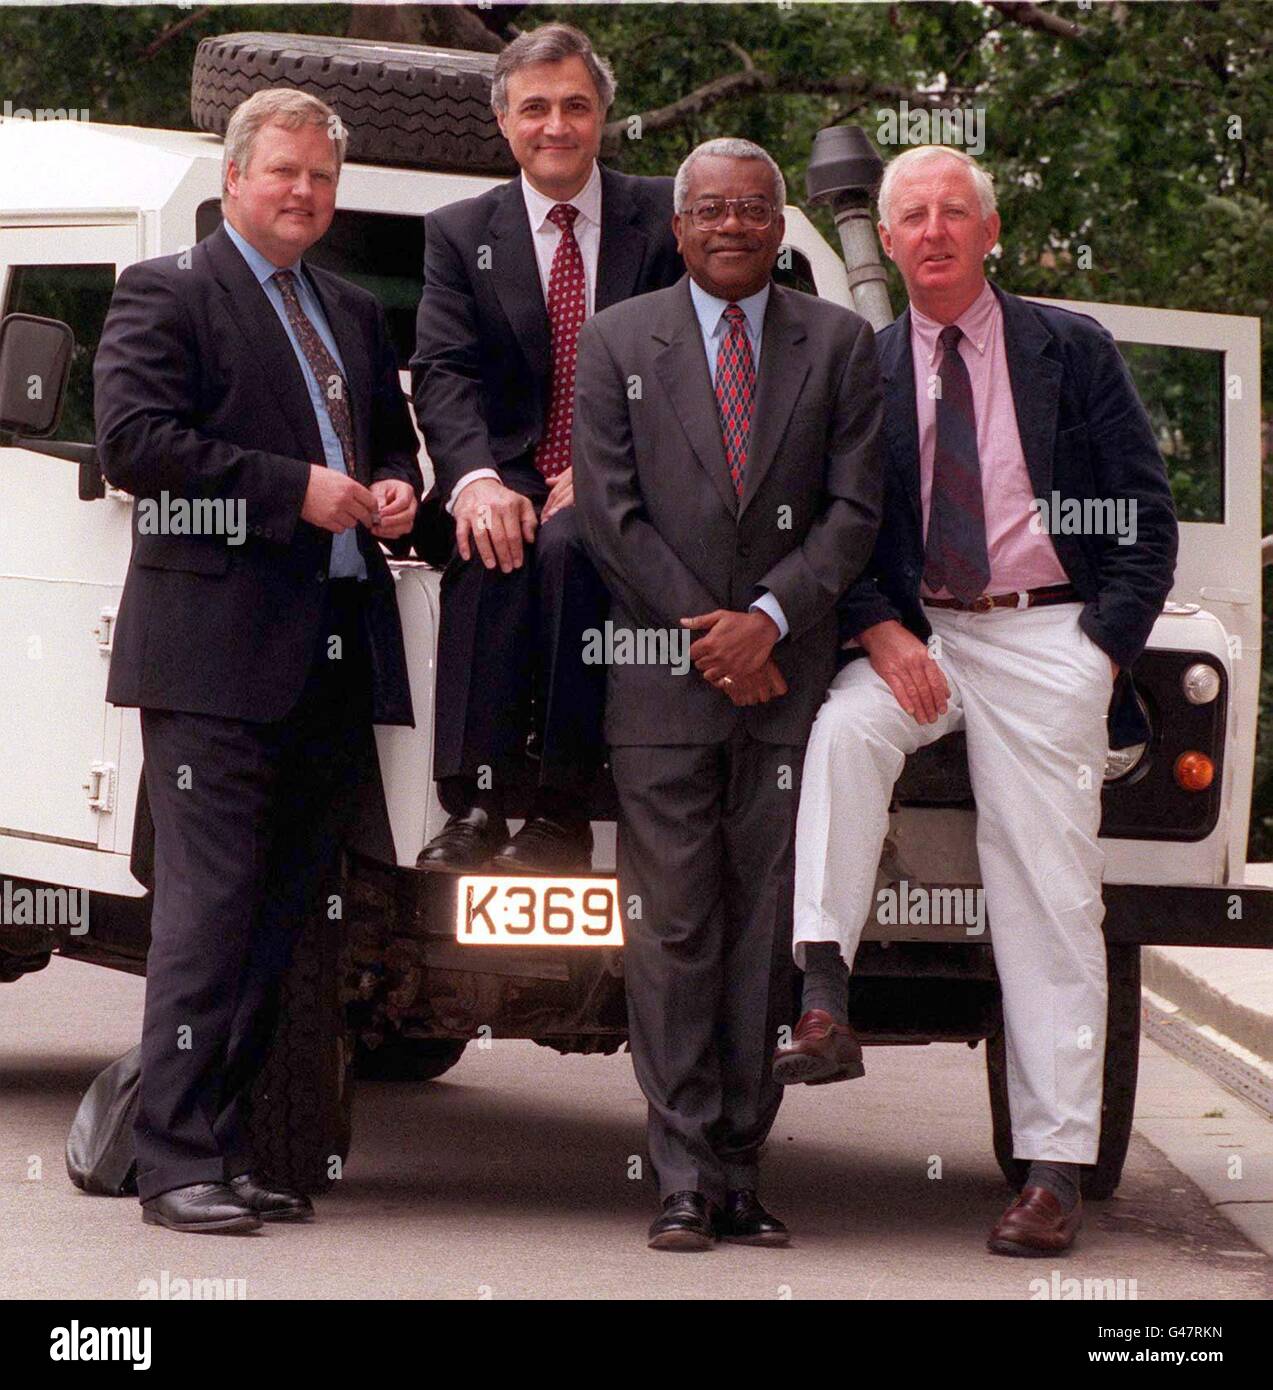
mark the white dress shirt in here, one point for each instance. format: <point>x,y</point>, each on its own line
<point>545,235</point>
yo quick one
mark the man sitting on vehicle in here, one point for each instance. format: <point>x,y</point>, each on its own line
<point>973,617</point>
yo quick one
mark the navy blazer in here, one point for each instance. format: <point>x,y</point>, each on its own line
<point>199,394</point>
<point>1084,434</point>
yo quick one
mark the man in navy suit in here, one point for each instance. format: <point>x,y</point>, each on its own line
<point>261,650</point>
<point>509,278</point>
<point>978,613</point>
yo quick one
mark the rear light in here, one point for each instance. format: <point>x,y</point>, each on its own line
<point>1200,683</point>
<point>1194,771</point>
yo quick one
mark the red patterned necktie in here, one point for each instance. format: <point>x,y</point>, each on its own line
<point>331,380</point>
<point>735,387</point>
<point>567,305</point>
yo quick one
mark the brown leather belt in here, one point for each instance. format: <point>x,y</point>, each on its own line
<point>1026,598</point>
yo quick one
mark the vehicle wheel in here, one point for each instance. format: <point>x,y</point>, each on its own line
<point>401,104</point>
<point>303,1099</point>
<point>408,1059</point>
<point>1122,1061</point>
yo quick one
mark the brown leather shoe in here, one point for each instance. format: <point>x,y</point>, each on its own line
<point>821,1050</point>
<point>1034,1224</point>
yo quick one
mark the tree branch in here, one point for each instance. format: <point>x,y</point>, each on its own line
<point>1032,17</point>
<point>753,81</point>
<point>173,30</point>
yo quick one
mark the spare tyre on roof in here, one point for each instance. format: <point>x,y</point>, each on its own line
<point>402,104</point>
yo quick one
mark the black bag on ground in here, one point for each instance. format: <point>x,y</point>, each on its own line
<point>99,1149</point>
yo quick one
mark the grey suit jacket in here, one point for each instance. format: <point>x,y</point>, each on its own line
<point>663,523</point>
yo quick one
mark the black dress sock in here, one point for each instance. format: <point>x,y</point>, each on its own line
<point>826,980</point>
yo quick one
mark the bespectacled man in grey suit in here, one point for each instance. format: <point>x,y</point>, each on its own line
<point>727,481</point>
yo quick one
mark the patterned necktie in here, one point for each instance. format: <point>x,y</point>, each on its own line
<point>567,304</point>
<point>331,381</point>
<point>955,547</point>
<point>735,387</point>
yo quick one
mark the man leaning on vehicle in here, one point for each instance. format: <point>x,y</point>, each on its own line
<point>259,660</point>
<point>990,402</point>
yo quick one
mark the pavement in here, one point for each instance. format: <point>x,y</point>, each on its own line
<point>1228,990</point>
<point>1214,1007</point>
<point>519,1175</point>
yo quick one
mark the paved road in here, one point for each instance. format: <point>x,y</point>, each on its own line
<point>510,1179</point>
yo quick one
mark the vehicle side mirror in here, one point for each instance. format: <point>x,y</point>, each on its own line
<point>35,362</point>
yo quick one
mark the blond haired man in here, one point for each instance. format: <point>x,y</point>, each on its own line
<point>261,652</point>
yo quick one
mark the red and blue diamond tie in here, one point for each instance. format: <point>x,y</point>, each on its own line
<point>735,387</point>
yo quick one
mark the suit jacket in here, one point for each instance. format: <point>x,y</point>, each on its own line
<point>1085,434</point>
<point>483,361</point>
<point>666,529</point>
<point>199,394</point>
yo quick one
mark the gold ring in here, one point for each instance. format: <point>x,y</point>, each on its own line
<point>727,680</point>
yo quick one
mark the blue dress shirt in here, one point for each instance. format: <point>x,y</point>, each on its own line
<point>714,326</point>
<point>346,561</point>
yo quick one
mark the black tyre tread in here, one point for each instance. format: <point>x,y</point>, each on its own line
<point>401,104</point>
<point>302,1102</point>
<point>1118,1102</point>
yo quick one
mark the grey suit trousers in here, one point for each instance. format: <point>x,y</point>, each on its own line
<point>706,839</point>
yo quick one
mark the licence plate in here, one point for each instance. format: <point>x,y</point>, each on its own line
<point>512,911</point>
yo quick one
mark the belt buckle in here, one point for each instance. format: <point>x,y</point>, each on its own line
<point>983,603</point>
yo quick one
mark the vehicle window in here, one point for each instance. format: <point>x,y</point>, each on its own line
<point>79,296</point>
<point>793,270</point>
<point>382,252</point>
<point>1183,391</point>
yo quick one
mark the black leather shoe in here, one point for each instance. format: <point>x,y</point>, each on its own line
<point>546,846</point>
<point>746,1222</point>
<point>686,1223</point>
<point>206,1208</point>
<point>465,843</point>
<point>271,1203</point>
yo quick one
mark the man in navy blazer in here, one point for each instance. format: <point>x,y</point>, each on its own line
<point>250,403</point>
<point>981,611</point>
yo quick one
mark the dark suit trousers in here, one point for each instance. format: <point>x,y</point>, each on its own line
<point>510,659</point>
<point>248,820</point>
<point>706,837</point>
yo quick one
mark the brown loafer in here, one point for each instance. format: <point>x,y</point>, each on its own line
<point>1034,1224</point>
<point>821,1050</point>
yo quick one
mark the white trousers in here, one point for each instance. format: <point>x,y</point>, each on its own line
<point>1031,691</point>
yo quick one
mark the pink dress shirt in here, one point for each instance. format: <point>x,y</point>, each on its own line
<point>1020,558</point>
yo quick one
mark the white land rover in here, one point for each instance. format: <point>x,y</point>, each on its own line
<point>414,968</point>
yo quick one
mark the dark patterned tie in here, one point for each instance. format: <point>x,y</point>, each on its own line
<point>955,547</point>
<point>567,305</point>
<point>331,380</point>
<point>735,387</point>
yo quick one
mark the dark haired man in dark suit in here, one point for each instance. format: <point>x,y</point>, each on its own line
<point>509,277</point>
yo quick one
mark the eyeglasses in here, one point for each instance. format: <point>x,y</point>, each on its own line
<point>709,213</point>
